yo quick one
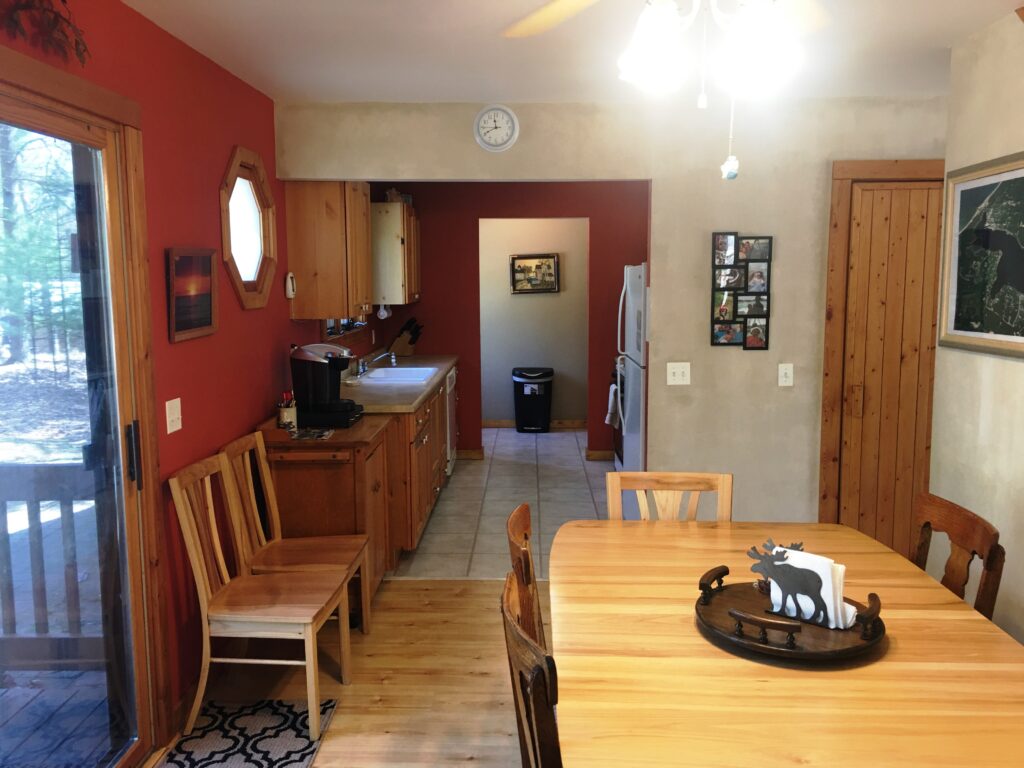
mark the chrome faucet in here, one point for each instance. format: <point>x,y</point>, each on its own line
<point>364,365</point>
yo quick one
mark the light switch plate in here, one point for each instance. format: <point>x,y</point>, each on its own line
<point>173,410</point>
<point>785,374</point>
<point>678,374</point>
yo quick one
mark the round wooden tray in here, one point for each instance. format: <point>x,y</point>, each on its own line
<point>740,616</point>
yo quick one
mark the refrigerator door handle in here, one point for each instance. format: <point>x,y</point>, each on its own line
<point>620,367</point>
<point>618,332</point>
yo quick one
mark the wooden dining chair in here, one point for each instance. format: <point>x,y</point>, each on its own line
<point>969,535</point>
<point>519,538</point>
<point>534,685</point>
<point>346,555</point>
<point>280,605</point>
<point>669,490</point>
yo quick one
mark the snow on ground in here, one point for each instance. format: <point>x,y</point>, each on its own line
<point>44,410</point>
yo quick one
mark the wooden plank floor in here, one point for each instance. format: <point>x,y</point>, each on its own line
<point>430,685</point>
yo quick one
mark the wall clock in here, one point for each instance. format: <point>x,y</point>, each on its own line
<point>496,128</point>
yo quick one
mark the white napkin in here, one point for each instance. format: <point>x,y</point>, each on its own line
<point>612,418</point>
<point>840,615</point>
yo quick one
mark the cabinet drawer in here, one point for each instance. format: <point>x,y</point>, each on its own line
<point>421,417</point>
<point>311,457</point>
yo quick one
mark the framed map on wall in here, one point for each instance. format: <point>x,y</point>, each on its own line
<point>982,302</point>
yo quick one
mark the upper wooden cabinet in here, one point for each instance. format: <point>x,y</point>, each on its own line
<point>357,231</point>
<point>396,254</point>
<point>329,248</point>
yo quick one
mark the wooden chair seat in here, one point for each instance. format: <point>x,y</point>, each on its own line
<point>292,606</point>
<point>265,551</point>
<point>279,597</point>
<point>341,554</point>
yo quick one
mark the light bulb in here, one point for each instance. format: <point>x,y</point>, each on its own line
<point>653,60</point>
<point>730,168</point>
<point>760,53</point>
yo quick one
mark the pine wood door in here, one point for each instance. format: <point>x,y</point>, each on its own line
<point>880,356</point>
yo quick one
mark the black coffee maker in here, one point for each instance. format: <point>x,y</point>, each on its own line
<point>316,381</point>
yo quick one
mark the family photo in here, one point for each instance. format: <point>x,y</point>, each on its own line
<point>755,248</point>
<point>723,249</point>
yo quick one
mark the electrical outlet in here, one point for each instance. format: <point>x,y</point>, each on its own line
<point>678,374</point>
<point>785,374</point>
<point>173,411</point>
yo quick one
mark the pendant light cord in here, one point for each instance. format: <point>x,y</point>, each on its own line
<point>732,118</point>
<point>702,101</point>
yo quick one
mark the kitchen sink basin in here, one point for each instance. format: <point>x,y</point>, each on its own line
<point>403,375</point>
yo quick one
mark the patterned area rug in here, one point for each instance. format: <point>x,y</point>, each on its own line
<point>266,734</point>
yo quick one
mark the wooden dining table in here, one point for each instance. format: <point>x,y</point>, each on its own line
<point>639,685</point>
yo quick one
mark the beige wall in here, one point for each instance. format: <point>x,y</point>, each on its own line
<point>978,421</point>
<point>733,417</point>
<point>546,329</point>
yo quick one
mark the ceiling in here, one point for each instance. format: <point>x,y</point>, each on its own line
<point>453,50</point>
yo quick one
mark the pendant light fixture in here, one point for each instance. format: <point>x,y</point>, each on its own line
<point>757,53</point>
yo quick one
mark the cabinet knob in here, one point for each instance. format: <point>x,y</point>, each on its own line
<point>376,487</point>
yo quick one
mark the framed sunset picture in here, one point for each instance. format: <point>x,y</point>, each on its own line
<point>191,293</point>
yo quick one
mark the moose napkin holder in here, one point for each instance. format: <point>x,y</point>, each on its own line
<point>740,616</point>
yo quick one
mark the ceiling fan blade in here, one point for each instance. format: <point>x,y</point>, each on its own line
<point>547,17</point>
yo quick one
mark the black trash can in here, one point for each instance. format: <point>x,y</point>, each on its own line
<point>532,387</point>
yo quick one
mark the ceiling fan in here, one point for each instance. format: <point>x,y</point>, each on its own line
<point>807,14</point>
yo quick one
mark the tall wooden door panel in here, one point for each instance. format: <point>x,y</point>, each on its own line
<point>889,350</point>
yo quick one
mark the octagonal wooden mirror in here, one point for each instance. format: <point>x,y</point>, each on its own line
<point>248,228</point>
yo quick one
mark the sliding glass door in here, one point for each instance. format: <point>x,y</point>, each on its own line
<point>68,448</point>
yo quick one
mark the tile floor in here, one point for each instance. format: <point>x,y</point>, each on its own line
<point>465,536</point>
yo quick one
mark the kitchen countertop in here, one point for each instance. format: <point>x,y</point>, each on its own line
<point>399,397</point>
<point>363,432</point>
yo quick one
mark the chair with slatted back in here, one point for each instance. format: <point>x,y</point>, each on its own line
<point>669,490</point>
<point>347,554</point>
<point>534,685</point>
<point>281,605</point>
<point>519,541</point>
<point>969,535</point>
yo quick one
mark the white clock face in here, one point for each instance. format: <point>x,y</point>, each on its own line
<point>496,128</point>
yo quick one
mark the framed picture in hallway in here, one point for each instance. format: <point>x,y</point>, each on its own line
<point>191,293</point>
<point>982,299</point>
<point>534,273</point>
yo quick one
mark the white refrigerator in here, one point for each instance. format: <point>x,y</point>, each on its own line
<point>631,379</point>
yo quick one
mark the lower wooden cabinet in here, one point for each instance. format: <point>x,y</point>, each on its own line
<point>418,446</point>
<point>381,477</point>
<point>336,486</point>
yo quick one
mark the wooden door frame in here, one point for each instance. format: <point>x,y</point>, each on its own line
<point>45,98</point>
<point>845,173</point>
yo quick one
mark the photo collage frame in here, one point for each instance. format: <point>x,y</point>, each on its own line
<point>740,290</point>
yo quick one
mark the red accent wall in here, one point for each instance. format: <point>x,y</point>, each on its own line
<point>449,212</point>
<point>193,114</point>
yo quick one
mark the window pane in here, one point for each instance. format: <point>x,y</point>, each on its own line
<point>246,230</point>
